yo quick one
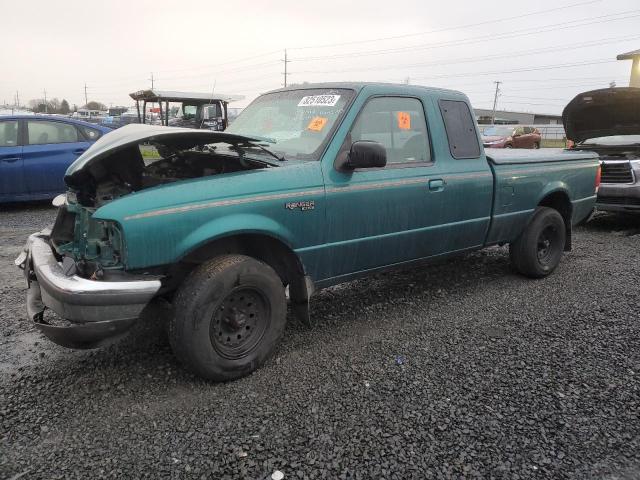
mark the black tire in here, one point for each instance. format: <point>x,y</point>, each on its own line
<point>508,145</point>
<point>230,314</point>
<point>536,146</point>
<point>538,250</point>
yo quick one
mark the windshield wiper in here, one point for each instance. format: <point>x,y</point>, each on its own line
<point>266,150</point>
<point>242,148</point>
<point>264,139</point>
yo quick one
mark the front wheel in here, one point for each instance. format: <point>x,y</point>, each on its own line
<point>230,314</point>
<point>538,250</point>
<point>536,146</point>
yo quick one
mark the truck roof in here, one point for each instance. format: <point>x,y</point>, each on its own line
<point>357,86</point>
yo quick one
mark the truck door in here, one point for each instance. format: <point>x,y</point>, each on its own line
<point>383,216</point>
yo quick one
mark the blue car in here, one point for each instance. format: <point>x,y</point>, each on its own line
<point>35,152</point>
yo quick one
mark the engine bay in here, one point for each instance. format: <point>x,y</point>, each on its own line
<point>147,165</point>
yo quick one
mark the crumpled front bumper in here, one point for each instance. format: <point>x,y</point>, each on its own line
<point>97,311</point>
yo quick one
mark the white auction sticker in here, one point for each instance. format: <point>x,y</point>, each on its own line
<point>319,101</point>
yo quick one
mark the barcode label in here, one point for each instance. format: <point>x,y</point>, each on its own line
<point>319,101</point>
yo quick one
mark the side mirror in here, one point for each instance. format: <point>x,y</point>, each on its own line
<point>365,154</point>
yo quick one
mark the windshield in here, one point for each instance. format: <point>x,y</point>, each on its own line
<point>614,140</point>
<point>187,112</point>
<point>296,123</point>
<point>497,131</point>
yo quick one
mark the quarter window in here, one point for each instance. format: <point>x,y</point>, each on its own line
<point>399,125</point>
<point>43,132</point>
<point>461,129</point>
<point>90,134</point>
<point>9,133</point>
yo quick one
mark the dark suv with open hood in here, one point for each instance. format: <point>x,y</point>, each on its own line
<point>608,121</point>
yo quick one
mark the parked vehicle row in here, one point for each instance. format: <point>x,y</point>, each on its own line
<point>309,187</point>
<point>35,152</point>
<point>508,136</point>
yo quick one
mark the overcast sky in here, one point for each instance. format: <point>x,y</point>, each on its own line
<point>237,46</point>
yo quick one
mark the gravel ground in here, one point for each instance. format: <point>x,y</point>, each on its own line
<point>458,370</point>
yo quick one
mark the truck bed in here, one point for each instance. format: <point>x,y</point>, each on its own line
<point>509,156</point>
<point>524,177</point>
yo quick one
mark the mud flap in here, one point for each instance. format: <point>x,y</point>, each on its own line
<point>301,292</point>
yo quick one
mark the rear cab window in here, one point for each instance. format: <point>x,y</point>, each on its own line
<point>461,129</point>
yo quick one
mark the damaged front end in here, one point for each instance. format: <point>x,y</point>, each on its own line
<point>94,311</point>
<point>78,269</point>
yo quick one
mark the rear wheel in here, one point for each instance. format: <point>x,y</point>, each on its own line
<point>538,250</point>
<point>536,146</point>
<point>230,314</point>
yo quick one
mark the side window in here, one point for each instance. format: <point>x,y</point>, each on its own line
<point>460,127</point>
<point>398,124</point>
<point>42,132</point>
<point>9,133</point>
<point>91,134</point>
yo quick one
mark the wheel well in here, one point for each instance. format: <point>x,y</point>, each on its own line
<point>265,248</point>
<point>560,202</point>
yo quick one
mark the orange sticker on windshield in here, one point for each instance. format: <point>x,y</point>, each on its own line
<point>404,121</point>
<point>317,123</point>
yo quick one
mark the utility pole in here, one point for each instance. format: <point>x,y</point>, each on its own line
<point>286,61</point>
<point>151,80</point>
<point>86,101</point>
<point>17,99</point>
<point>495,101</point>
<point>46,110</point>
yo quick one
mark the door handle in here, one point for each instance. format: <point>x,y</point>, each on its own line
<point>10,159</point>
<point>436,185</point>
<point>78,151</point>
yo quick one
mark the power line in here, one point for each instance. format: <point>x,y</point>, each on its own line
<point>517,70</point>
<point>481,59</point>
<point>489,37</point>
<point>428,32</point>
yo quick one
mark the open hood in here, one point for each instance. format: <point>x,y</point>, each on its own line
<point>134,134</point>
<point>601,113</point>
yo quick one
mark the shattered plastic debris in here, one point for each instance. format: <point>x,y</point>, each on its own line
<point>400,359</point>
<point>277,475</point>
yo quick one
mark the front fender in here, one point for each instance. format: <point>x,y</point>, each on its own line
<point>234,224</point>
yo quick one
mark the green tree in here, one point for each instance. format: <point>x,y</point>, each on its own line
<point>64,107</point>
<point>92,105</point>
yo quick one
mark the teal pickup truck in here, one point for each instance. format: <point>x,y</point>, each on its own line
<point>308,188</point>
